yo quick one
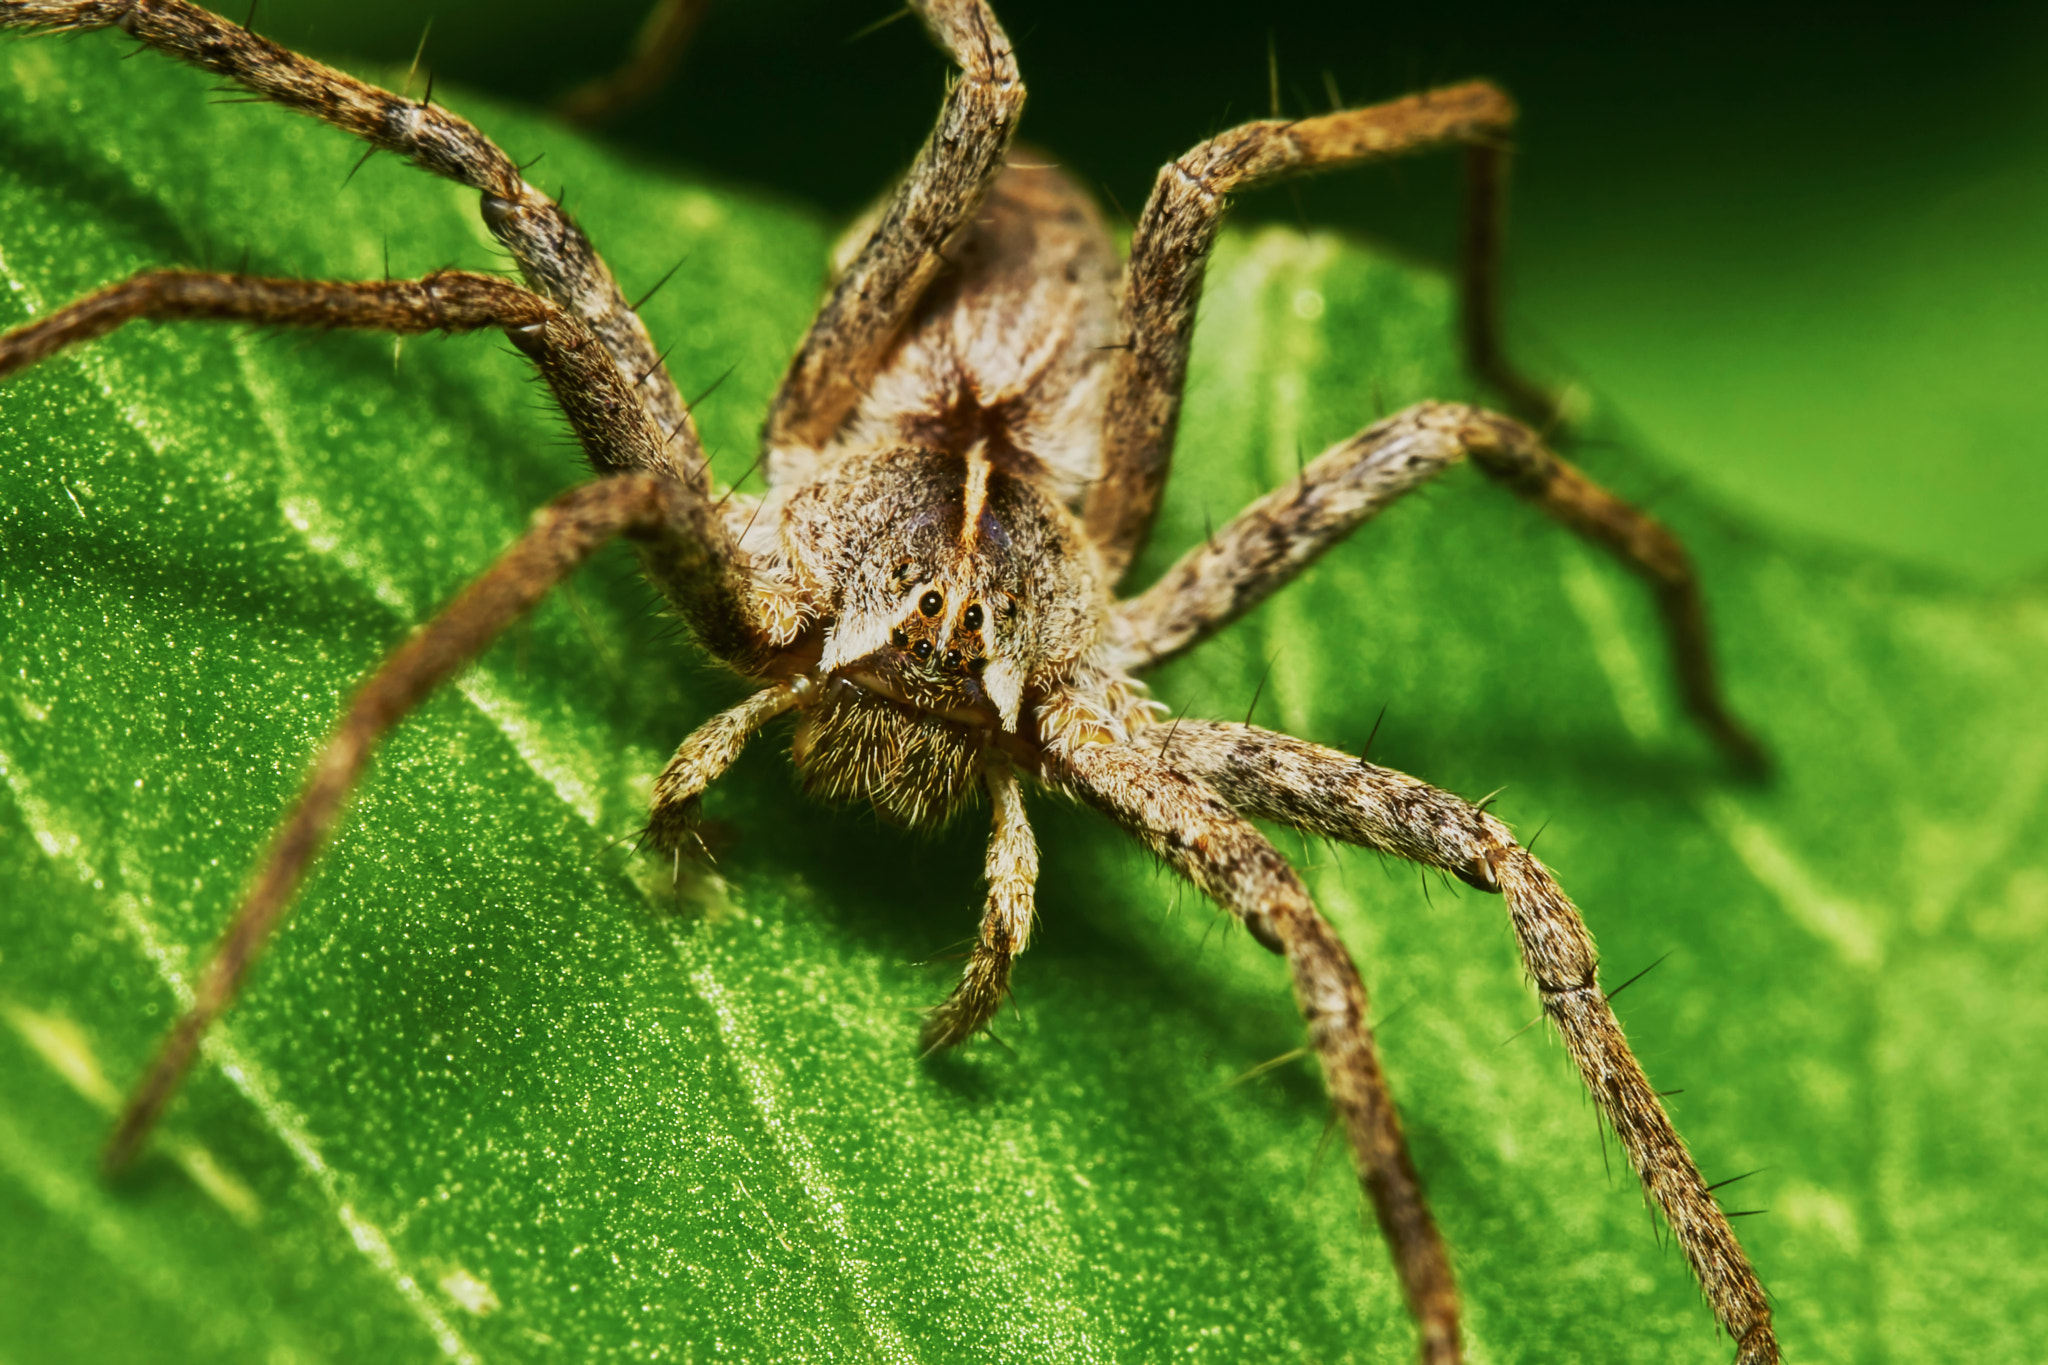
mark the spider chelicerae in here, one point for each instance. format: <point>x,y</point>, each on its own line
<point>963,458</point>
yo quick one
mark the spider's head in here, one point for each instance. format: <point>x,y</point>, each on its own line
<point>943,650</point>
<point>959,585</point>
<point>948,637</point>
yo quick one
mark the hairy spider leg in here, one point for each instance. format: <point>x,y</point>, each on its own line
<point>1274,539</point>
<point>448,301</point>
<point>1483,244</point>
<point>565,533</point>
<point>1330,793</point>
<point>684,548</point>
<point>552,252</point>
<point>657,50</point>
<point>704,756</point>
<point>737,613</point>
<point>879,289</point>
<point>1195,830</point>
<point>1011,871</point>
<point>1170,250</point>
<point>1011,868</point>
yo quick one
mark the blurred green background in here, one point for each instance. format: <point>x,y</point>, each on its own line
<point>1799,249</point>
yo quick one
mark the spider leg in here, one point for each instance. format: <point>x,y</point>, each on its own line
<point>1182,820</point>
<point>737,613</point>
<point>1170,249</point>
<point>565,533</point>
<point>703,758</point>
<point>1012,872</point>
<point>684,545</point>
<point>554,255</point>
<point>1272,776</point>
<point>872,298</point>
<point>1278,536</point>
<point>447,301</point>
<point>657,50</point>
<point>1479,288</point>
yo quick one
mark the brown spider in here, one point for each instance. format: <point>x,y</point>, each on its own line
<point>963,458</point>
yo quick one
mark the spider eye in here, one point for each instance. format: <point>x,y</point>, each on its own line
<point>971,618</point>
<point>922,649</point>
<point>930,603</point>
<point>899,637</point>
<point>952,658</point>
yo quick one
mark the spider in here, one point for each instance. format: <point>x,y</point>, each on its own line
<point>963,458</point>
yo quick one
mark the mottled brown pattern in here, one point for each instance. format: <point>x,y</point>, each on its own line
<point>964,454</point>
<point>1037,263</point>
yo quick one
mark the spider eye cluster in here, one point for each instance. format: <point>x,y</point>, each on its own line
<point>943,636</point>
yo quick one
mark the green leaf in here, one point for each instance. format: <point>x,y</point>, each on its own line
<point>499,1093</point>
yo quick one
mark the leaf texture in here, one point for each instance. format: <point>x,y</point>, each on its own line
<point>500,1092</point>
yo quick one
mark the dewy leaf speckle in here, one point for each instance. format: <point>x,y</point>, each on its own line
<point>571,1080</point>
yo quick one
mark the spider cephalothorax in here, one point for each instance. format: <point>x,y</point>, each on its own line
<point>956,583</point>
<point>963,459</point>
<point>957,597</point>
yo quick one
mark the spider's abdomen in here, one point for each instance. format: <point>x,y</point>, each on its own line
<point>1010,345</point>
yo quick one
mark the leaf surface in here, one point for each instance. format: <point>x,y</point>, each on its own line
<point>498,1092</point>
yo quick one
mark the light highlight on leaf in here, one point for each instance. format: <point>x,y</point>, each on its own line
<point>493,1062</point>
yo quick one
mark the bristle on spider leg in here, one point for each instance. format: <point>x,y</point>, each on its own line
<point>712,387</point>
<point>1260,690</point>
<point>648,373</point>
<point>1167,743</point>
<point>1365,755</point>
<point>1637,977</point>
<point>1522,1030</point>
<point>655,288</point>
<point>744,474</point>
<point>360,162</point>
<point>1318,1159</point>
